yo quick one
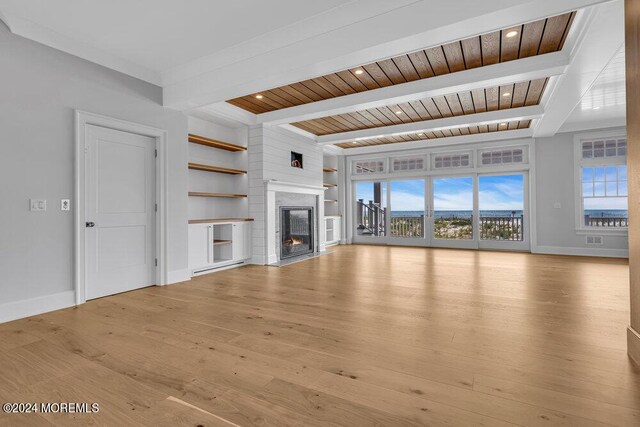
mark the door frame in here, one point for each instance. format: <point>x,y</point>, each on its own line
<point>82,120</point>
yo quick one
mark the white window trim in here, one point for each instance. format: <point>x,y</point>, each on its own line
<point>578,139</point>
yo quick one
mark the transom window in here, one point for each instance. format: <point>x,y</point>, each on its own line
<point>502,157</point>
<point>445,161</point>
<point>368,166</point>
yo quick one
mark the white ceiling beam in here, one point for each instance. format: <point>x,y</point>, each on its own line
<point>228,112</point>
<point>531,68</point>
<point>521,113</point>
<point>515,135</point>
<point>417,25</point>
<point>601,38</point>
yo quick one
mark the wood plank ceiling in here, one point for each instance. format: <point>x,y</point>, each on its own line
<point>457,104</point>
<point>534,38</point>
<point>437,134</point>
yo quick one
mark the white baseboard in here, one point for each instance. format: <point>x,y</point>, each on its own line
<point>633,345</point>
<point>596,252</point>
<point>177,276</point>
<point>33,306</point>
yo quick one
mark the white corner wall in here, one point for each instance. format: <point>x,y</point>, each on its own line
<point>41,87</point>
<point>270,159</point>
<point>556,227</point>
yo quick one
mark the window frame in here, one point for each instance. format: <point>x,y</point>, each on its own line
<point>579,163</point>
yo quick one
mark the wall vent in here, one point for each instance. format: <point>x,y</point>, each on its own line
<point>595,240</point>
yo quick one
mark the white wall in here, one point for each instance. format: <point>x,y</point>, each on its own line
<point>556,228</point>
<point>270,159</point>
<point>40,87</point>
<point>206,207</point>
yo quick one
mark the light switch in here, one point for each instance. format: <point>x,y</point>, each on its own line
<point>557,205</point>
<point>38,205</point>
<point>65,204</point>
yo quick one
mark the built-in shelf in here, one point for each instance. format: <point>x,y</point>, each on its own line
<point>221,242</point>
<point>214,220</point>
<point>330,185</point>
<point>230,196</point>
<point>197,139</point>
<point>218,169</point>
<point>330,201</point>
<point>329,170</point>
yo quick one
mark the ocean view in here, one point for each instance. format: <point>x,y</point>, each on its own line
<point>593,213</point>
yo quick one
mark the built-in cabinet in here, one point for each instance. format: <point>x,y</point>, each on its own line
<point>332,227</point>
<point>219,231</point>
<point>218,244</point>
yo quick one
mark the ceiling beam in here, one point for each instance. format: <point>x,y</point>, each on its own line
<point>601,39</point>
<point>535,67</point>
<point>522,113</point>
<point>515,135</point>
<point>327,46</point>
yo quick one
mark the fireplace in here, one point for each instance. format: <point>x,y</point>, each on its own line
<point>296,231</point>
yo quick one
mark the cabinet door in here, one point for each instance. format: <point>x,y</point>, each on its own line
<point>241,241</point>
<point>200,246</point>
<point>337,229</point>
<point>238,241</point>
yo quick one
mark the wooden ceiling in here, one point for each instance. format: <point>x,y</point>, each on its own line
<point>466,130</point>
<point>457,104</point>
<point>535,38</point>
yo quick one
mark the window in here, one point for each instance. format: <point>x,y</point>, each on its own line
<point>502,157</point>
<point>602,173</point>
<point>447,161</point>
<point>361,167</point>
<point>407,164</point>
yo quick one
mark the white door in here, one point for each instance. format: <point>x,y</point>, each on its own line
<point>120,211</point>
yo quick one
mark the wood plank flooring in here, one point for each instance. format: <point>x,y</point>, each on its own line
<point>366,335</point>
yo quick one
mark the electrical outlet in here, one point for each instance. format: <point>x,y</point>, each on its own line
<point>37,205</point>
<point>65,205</point>
<point>557,205</point>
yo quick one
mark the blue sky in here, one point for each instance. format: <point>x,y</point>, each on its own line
<point>505,192</point>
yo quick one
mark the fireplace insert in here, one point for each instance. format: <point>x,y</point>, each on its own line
<point>296,231</point>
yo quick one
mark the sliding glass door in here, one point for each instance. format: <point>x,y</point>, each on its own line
<point>371,209</point>
<point>407,202</point>
<point>466,211</point>
<point>503,212</point>
<point>452,212</point>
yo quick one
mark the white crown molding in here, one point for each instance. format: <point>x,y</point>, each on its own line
<point>48,37</point>
<point>489,117</point>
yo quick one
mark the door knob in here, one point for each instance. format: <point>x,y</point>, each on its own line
<point>90,224</point>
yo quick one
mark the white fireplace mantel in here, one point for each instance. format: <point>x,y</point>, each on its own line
<point>292,187</point>
<point>270,189</point>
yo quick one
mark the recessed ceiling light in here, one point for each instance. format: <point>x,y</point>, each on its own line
<point>354,142</point>
<point>503,124</point>
<point>421,134</point>
<point>512,34</point>
<point>596,108</point>
<point>398,112</point>
<point>506,94</point>
<point>259,96</point>
<point>359,71</point>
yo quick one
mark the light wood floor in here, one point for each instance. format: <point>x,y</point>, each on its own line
<point>363,336</point>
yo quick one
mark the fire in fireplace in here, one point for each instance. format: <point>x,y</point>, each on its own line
<point>296,231</point>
